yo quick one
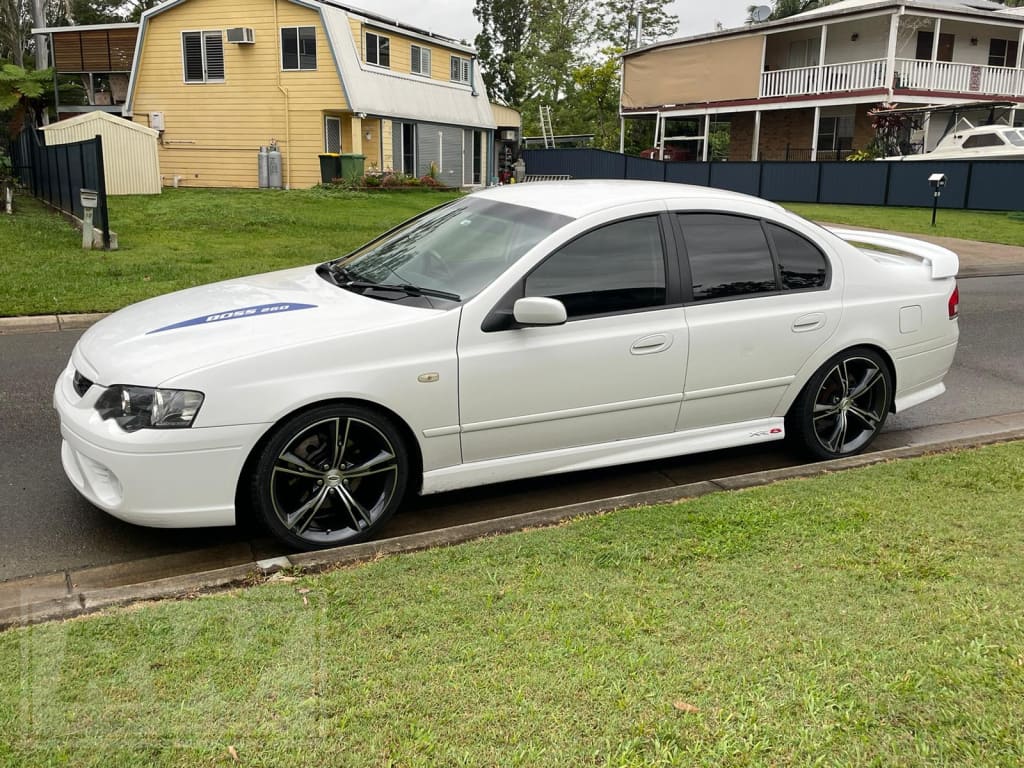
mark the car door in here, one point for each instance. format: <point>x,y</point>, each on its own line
<point>762,298</point>
<point>613,371</point>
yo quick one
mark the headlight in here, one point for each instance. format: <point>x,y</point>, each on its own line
<point>147,408</point>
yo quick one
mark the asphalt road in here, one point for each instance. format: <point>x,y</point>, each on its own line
<point>46,527</point>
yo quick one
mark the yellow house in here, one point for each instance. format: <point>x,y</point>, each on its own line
<point>219,79</point>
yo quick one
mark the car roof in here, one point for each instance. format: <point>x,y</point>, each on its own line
<point>577,198</point>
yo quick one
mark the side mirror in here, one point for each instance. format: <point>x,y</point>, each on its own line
<point>539,310</point>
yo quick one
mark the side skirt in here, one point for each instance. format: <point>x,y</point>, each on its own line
<point>602,455</point>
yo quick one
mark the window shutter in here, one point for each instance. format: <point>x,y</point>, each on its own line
<point>420,60</point>
<point>214,56</point>
<point>192,45</point>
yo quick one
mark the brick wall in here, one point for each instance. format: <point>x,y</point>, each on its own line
<point>793,127</point>
<point>741,135</point>
<point>789,127</point>
<point>863,133</point>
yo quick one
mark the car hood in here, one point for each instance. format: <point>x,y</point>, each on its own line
<point>155,340</point>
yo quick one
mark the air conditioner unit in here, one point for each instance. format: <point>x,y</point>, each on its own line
<point>508,134</point>
<point>241,35</point>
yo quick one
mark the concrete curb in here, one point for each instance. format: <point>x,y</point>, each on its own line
<point>48,323</point>
<point>41,598</point>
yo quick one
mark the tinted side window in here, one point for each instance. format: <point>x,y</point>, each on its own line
<point>729,255</point>
<point>616,268</point>
<point>801,264</point>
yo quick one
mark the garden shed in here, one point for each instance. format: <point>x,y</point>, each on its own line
<point>130,160</point>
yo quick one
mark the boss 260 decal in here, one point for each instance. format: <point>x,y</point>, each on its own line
<point>236,314</point>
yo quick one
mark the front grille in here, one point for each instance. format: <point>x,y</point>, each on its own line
<point>82,384</point>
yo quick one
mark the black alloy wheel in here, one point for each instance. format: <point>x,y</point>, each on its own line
<point>844,405</point>
<point>330,476</point>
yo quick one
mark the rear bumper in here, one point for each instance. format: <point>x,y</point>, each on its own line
<point>919,376</point>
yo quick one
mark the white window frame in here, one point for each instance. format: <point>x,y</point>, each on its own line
<point>204,34</point>
<point>376,49</point>
<point>465,69</point>
<point>298,50</point>
<point>327,120</point>
<point>417,59</point>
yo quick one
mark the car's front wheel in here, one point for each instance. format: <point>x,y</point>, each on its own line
<point>330,476</point>
<point>844,405</point>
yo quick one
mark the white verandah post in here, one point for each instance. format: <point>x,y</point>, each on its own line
<point>755,149</point>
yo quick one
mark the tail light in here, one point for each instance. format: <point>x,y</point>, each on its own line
<point>954,302</point>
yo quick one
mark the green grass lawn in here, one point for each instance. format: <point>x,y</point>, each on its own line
<point>185,237</point>
<point>869,618</point>
<point>983,226</point>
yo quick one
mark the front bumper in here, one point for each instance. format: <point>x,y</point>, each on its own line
<point>168,478</point>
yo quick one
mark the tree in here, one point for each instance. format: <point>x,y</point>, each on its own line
<point>560,32</point>
<point>502,47</point>
<point>591,103</point>
<point>617,21</point>
<point>527,48</point>
<point>23,93</point>
<point>15,26</point>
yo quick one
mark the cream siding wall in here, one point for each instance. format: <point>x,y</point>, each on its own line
<point>401,51</point>
<point>213,131</point>
<point>130,163</point>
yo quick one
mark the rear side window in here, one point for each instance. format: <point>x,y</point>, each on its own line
<point>801,264</point>
<point>617,268</point>
<point>729,256</point>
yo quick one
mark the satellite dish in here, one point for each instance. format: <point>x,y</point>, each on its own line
<point>760,13</point>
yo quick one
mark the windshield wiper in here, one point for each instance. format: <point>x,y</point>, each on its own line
<point>408,290</point>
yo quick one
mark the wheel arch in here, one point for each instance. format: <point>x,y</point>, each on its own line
<point>243,505</point>
<point>874,347</point>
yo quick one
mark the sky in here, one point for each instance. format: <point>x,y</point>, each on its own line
<point>454,18</point>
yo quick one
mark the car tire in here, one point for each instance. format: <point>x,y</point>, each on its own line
<point>843,406</point>
<point>330,476</point>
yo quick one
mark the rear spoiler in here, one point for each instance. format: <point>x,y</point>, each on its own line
<point>943,261</point>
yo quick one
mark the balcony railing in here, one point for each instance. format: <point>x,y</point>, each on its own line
<point>831,78</point>
<point>958,78</point>
<point>911,74</point>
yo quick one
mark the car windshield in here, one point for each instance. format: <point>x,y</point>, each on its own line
<point>457,248</point>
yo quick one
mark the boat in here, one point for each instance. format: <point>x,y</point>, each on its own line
<point>985,142</point>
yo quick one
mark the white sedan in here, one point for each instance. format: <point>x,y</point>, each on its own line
<point>519,331</point>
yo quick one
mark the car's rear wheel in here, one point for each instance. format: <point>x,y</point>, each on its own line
<point>844,405</point>
<point>330,476</point>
